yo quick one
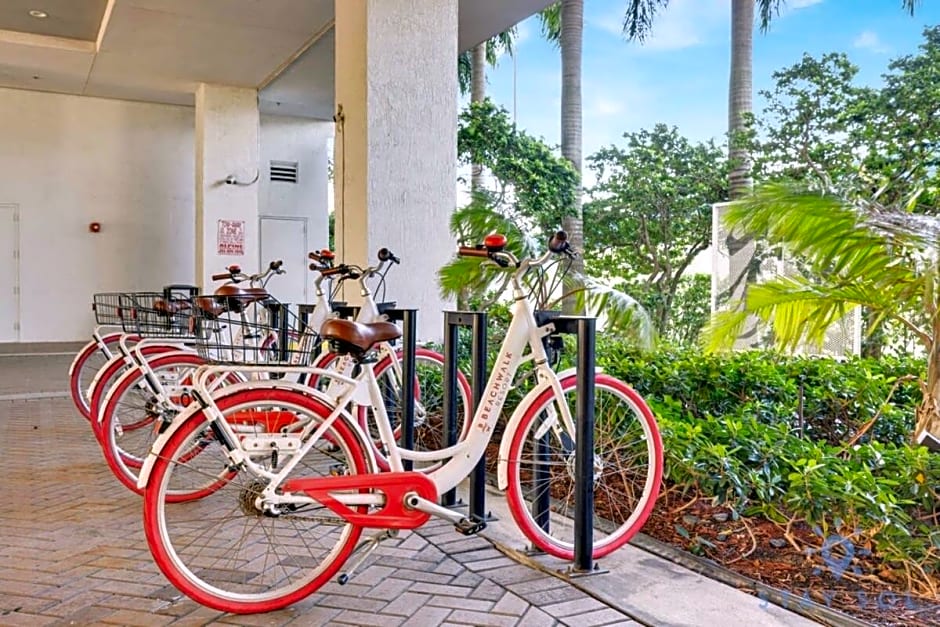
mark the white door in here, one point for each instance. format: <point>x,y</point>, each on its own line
<point>285,238</point>
<point>9,274</point>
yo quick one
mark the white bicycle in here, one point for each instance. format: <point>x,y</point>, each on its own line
<point>281,513</point>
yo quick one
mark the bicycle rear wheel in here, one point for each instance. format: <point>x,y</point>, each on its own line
<point>628,466</point>
<point>221,550</point>
<point>89,360</point>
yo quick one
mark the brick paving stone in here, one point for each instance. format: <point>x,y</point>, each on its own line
<point>407,604</point>
<point>427,615</point>
<point>604,616</point>
<point>134,618</point>
<point>552,595</point>
<point>536,618</point>
<point>434,588</point>
<point>496,562</point>
<point>390,589</point>
<point>477,605</point>
<point>571,608</point>
<point>352,617</point>
<point>486,589</point>
<point>28,620</point>
<point>515,574</point>
<point>511,604</point>
<point>466,578</point>
<point>480,619</point>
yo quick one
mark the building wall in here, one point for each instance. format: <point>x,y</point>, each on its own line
<point>67,161</point>
<point>286,208</point>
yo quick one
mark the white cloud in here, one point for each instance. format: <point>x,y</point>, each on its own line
<point>682,24</point>
<point>869,40</point>
<point>802,4</point>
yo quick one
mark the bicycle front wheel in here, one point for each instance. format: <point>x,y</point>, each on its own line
<point>222,550</point>
<point>628,466</point>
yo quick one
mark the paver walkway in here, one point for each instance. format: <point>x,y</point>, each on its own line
<point>73,552</point>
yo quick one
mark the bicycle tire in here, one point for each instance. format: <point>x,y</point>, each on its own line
<point>196,544</point>
<point>624,495</point>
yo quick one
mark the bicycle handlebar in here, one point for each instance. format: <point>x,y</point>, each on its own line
<point>235,274</point>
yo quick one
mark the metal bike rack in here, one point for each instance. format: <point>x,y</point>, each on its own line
<point>409,323</point>
<point>476,321</point>
<point>584,328</point>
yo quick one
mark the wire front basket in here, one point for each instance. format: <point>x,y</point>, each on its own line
<point>152,314</point>
<point>107,308</point>
<point>262,334</point>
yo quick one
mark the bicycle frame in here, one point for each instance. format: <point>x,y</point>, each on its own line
<point>364,390</point>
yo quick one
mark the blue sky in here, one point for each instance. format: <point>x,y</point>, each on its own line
<point>679,76</point>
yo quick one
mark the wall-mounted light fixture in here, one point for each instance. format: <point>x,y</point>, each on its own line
<point>39,15</point>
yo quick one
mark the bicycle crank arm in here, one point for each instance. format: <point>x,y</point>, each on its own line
<point>464,525</point>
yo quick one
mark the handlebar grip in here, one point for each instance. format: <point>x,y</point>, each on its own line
<point>276,265</point>
<point>559,242</point>
<point>387,255</point>
<point>221,277</point>
<point>471,251</point>
<point>330,271</point>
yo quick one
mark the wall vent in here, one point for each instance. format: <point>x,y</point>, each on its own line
<point>284,171</point>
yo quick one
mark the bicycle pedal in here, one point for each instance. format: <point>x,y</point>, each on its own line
<point>469,527</point>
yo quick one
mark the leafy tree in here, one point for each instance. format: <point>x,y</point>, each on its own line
<point>856,254</point>
<point>651,213</point>
<point>532,182</point>
<point>898,128</point>
<point>534,187</point>
<point>807,119</point>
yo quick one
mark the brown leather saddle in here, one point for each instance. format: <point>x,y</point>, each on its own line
<point>357,337</point>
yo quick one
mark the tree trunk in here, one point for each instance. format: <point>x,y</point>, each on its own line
<point>572,31</point>
<point>477,94</point>
<point>928,413</point>
<point>740,93</point>
<point>740,106</point>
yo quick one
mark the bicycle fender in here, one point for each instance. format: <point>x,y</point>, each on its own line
<point>144,476</point>
<point>132,372</point>
<point>502,472</point>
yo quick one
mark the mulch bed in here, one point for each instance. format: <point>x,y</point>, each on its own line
<point>757,548</point>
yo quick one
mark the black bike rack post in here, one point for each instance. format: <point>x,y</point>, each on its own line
<point>584,328</point>
<point>409,323</point>
<point>280,321</point>
<point>477,322</point>
<point>584,455</point>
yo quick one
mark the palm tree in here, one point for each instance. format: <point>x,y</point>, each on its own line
<point>740,88</point>
<point>855,254</point>
<point>563,24</point>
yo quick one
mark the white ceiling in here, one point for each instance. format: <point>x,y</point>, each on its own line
<point>160,50</point>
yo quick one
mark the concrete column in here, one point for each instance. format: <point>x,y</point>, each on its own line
<point>396,145</point>
<point>227,147</point>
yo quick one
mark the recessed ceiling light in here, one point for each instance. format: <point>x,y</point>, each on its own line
<point>40,15</point>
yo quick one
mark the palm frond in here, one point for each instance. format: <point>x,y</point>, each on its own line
<point>638,19</point>
<point>550,19</point>
<point>617,311</point>
<point>855,257</point>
